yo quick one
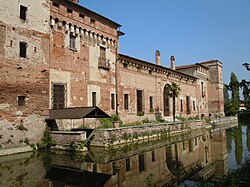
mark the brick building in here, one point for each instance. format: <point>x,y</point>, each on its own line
<point>24,70</point>
<point>59,54</point>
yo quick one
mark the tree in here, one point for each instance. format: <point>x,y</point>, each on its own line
<point>244,85</point>
<point>247,66</point>
<point>173,91</point>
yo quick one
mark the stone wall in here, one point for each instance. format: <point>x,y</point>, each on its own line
<point>67,137</point>
<point>123,135</point>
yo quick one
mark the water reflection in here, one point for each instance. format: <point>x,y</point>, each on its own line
<point>248,138</point>
<point>194,156</point>
<point>238,144</point>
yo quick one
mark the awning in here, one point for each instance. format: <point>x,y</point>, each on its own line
<point>77,113</point>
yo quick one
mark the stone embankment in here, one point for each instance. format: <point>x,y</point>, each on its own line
<point>124,135</point>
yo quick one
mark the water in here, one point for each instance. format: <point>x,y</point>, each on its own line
<point>180,160</point>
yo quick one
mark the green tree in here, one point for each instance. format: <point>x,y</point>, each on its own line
<point>235,99</point>
<point>173,91</point>
<point>244,85</point>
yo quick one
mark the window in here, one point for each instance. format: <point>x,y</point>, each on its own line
<point>69,11</point>
<point>103,62</point>
<point>139,100</point>
<point>92,22</point>
<point>55,5</point>
<point>153,155</point>
<point>114,168</point>
<point>93,98</point>
<point>58,96</point>
<point>151,108</point>
<point>21,100</point>
<point>188,104</point>
<point>183,145</point>
<point>141,162</point>
<point>127,164</point>
<point>125,65</point>
<point>193,105</point>
<point>112,101</point>
<point>202,90</point>
<point>23,49</point>
<point>81,16</point>
<point>23,12</point>
<point>72,42</point>
<point>190,144</point>
<point>126,101</point>
<point>103,53</point>
<point>181,105</point>
<point>196,141</point>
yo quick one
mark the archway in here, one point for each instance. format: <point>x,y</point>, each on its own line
<point>166,104</point>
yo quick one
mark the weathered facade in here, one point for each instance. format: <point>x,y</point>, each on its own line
<point>142,95</point>
<point>57,54</point>
<point>24,70</point>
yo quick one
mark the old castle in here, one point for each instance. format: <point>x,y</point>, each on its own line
<point>57,54</point>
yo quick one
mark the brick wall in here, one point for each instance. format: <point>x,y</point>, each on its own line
<point>24,82</point>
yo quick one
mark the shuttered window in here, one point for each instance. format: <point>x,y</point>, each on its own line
<point>93,98</point>
<point>23,49</point>
<point>58,96</point>
<point>126,101</point>
<point>139,100</point>
<point>188,105</point>
<point>141,162</point>
<point>112,101</point>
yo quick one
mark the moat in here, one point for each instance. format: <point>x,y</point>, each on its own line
<point>185,160</point>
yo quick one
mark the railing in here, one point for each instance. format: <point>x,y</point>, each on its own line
<point>224,119</point>
<point>103,63</point>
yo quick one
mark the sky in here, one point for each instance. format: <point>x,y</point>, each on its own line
<point>191,30</point>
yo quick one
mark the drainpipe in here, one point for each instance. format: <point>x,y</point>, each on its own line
<point>119,33</point>
<point>116,80</point>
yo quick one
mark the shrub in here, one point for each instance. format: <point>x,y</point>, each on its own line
<point>141,113</point>
<point>47,140</point>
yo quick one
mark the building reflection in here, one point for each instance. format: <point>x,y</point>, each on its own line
<point>163,162</point>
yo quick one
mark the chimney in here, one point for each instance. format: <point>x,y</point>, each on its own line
<point>172,61</point>
<point>157,57</point>
<point>75,1</point>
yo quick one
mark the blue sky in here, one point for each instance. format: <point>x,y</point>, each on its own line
<point>193,31</point>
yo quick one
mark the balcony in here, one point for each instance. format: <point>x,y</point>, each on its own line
<point>103,63</point>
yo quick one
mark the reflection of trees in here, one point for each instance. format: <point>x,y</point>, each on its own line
<point>238,144</point>
<point>248,138</point>
<point>229,140</point>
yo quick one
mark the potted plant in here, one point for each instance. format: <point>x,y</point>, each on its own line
<point>116,120</point>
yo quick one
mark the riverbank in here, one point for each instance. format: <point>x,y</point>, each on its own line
<point>78,140</point>
<point>124,135</point>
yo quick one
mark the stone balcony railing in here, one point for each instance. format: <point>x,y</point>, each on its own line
<point>103,63</point>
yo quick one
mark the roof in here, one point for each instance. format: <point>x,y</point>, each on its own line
<point>96,14</point>
<point>191,66</point>
<point>77,113</point>
<point>139,61</point>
